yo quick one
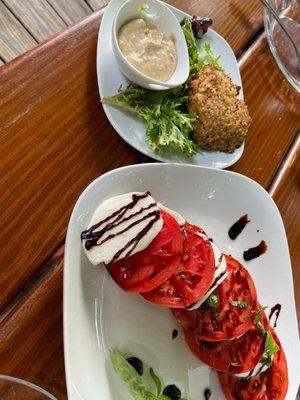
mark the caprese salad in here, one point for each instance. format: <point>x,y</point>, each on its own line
<point>152,250</point>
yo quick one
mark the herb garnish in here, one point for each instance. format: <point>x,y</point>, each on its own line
<point>239,304</point>
<point>212,300</point>
<point>133,380</point>
<point>143,8</point>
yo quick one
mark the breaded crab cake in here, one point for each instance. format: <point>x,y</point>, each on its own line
<point>223,120</point>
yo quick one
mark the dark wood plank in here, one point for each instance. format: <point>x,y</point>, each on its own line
<point>14,39</point>
<point>31,339</point>
<point>37,16</point>
<point>275,109</point>
<point>285,190</point>
<point>70,10</point>
<point>237,21</point>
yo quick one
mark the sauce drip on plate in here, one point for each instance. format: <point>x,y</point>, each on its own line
<point>137,364</point>
<point>255,252</point>
<point>238,227</point>
<point>275,310</point>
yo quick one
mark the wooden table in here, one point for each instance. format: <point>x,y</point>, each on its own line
<point>55,139</point>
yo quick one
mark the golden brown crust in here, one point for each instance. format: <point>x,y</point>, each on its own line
<point>223,120</point>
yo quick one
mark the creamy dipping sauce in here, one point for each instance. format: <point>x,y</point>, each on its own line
<point>147,49</point>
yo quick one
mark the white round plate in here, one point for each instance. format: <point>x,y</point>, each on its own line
<point>98,315</point>
<point>131,128</point>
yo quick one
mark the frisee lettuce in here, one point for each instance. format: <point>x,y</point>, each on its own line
<point>168,123</point>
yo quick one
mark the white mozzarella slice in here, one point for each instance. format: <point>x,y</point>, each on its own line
<point>131,214</point>
<point>258,369</point>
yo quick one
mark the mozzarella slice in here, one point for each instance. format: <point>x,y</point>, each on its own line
<point>121,226</point>
<point>258,369</point>
<point>219,276</point>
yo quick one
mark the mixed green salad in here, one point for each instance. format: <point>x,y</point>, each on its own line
<point>168,122</point>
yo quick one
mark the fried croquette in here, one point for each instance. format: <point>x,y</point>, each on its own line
<point>222,119</point>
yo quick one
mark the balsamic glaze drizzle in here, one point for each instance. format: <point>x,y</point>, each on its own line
<point>137,364</point>
<point>92,236</point>
<point>238,227</point>
<point>173,392</point>
<point>255,252</point>
<point>275,310</point>
<point>174,333</point>
<point>207,394</point>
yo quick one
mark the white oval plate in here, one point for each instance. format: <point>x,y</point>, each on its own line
<point>98,315</point>
<point>131,128</point>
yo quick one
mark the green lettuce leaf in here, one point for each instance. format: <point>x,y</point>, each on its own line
<point>130,377</point>
<point>198,59</point>
<point>270,350</point>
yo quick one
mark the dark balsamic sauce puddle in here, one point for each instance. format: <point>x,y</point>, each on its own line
<point>172,392</point>
<point>207,394</point>
<point>137,364</point>
<point>256,251</point>
<point>174,333</point>
<point>238,227</point>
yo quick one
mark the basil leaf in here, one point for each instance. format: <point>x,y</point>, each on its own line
<point>156,380</point>
<point>212,300</point>
<point>270,349</point>
<point>130,377</point>
<point>239,304</point>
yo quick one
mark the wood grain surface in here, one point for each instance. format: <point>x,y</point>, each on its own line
<point>97,4</point>
<point>275,110</point>
<point>37,16</point>
<point>285,190</point>
<point>31,340</point>
<point>14,39</point>
<point>70,10</point>
<point>237,21</point>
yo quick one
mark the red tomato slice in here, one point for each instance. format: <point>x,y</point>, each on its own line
<point>150,267</point>
<point>234,356</point>
<point>195,274</point>
<point>226,321</point>
<point>269,385</point>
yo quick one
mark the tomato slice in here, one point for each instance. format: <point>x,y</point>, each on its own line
<point>227,321</point>
<point>235,356</point>
<point>195,275</point>
<point>150,267</point>
<point>269,385</point>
